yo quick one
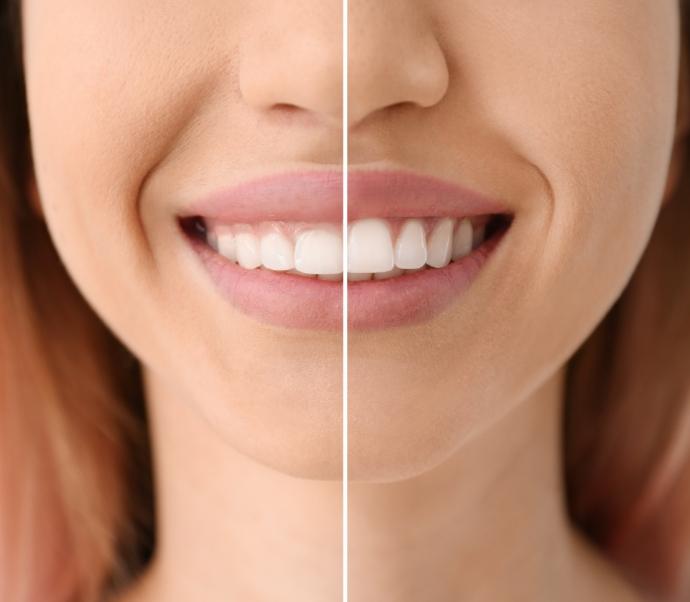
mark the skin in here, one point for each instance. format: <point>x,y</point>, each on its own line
<point>566,112</point>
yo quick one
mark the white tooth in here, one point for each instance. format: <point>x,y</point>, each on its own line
<point>298,273</point>
<point>319,251</point>
<point>248,252</point>
<point>413,271</point>
<point>440,245</point>
<point>356,276</point>
<point>410,248</point>
<point>276,251</point>
<point>370,248</point>
<point>390,274</point>
<point>478,238</point>
<point>462,241</point>
<point>225,239</point>
<point>333,277</point>
<point>212,240</point>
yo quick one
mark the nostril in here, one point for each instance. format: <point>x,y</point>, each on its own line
<point>286,107</point>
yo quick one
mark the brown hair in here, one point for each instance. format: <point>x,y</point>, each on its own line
<point>75,486</point>
<point>627,411</point>
<point>74,449</point>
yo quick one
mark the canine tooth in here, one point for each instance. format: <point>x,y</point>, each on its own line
<point>357,276</point>
<point>248,252</point>
<point>277,252</point>
<point>370,246</point>
<point>319,251</point>
<point>390,274</point>
<point>226,244</point>
<point>410,248</point>
<point>440,244</point>
<point>478,237</point>
<point>462,241</point>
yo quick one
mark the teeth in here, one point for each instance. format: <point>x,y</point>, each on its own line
<point>319,251</point>
<point>298,273</point>
<point>462,241</point>
<point>410,248</point>
<point>378,249</point>
<point>440,246</point>
<point>478,237</point>
<point>248,252</point>
<point>357,276</point>
<point>370,246</point>
<point>225,243</point>
<point>277,252</point>
<point>390,274</point>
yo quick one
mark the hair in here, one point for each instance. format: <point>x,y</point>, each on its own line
<point>76,514</point>
<point>76,495</point>
<point>627,409</point>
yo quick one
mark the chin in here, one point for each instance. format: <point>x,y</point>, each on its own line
<point>372,460</point>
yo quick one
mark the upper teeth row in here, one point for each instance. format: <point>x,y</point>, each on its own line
<point>375,246</point>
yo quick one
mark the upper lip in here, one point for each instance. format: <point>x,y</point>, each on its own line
<point>316,196</point>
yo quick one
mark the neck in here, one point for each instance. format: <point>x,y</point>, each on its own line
<point>487,524</point>
<point>229,528</point>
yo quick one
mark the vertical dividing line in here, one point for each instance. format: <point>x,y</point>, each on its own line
<point>345,307</point>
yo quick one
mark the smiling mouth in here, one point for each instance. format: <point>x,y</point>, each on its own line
<point>378,248</point>
<point>273,247</point>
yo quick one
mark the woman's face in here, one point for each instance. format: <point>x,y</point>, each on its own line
<point>137,111</point>
<point>563,112</point>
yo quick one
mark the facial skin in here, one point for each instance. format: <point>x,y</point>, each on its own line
<point>564,111</point>
<point>132,105</point>
<point>575,140</point>
<point>128,105</point>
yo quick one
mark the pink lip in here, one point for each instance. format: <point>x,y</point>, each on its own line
<point>297,302</point>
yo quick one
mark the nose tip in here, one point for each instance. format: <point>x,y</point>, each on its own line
<point>395,58</point>
<point>293,61</point>
<point>310,84</point>
<point>386,78</point>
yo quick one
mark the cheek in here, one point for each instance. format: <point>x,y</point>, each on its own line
<point>105,102</point>
<point>589,102</point>
<point>110,100</point>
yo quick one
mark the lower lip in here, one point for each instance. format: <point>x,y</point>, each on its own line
<point>293,301</point>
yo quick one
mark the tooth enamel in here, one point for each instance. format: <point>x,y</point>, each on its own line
<point>225,243</point>
<point>440,243</point>
<point>370,246</point>
<point>390,274</point>
<point>298,273</point>
<point>277,252</point>
<point>478,237</point>
<point>410,248</point>
<point>248,252</point>
<point>357,276</point>
<point>462,241</point>
<point>315,250</point>
<point>212,240</point>
<point>319,251</point>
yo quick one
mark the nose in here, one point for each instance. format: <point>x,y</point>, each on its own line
<point>293,61</point>
<point>394,58</point>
